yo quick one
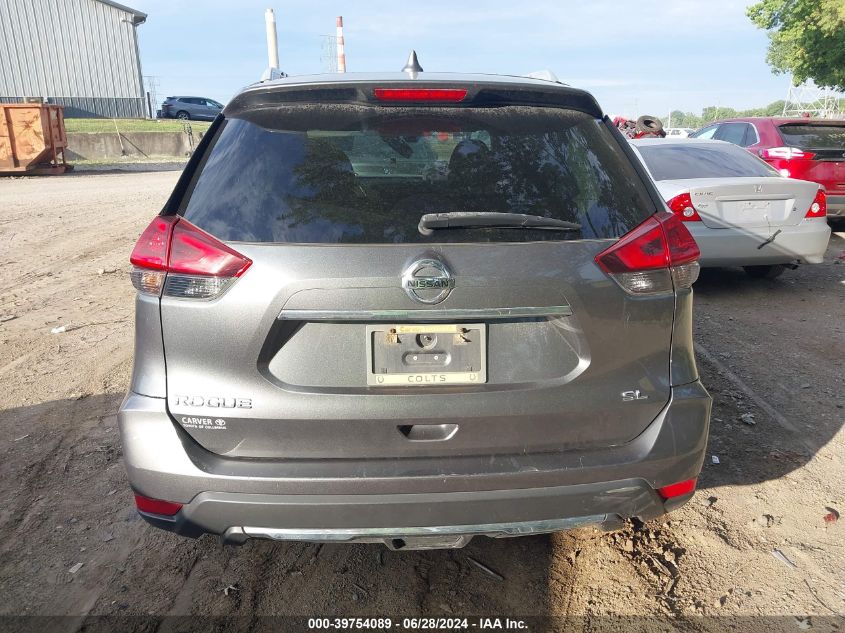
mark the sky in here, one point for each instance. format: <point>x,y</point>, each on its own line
<point>636,57</point>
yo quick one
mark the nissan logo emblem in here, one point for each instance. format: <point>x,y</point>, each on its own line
<point>428,281</point>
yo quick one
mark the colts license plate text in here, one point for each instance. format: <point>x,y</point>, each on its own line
<point>426,355</point>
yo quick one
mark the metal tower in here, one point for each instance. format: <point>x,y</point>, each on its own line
<point>328,53</point>
<point>809,99</point>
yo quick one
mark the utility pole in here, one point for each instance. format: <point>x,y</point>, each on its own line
<point>151,83</point>
<point>341,52</point>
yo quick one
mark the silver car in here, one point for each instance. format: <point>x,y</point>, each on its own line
<point>739,209</point>
<point>412,308</point>
<point>190,108</point>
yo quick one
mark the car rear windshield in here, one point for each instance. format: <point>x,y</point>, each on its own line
<point>814,136</point>
<point>364,174</point>
<point>699,160</point>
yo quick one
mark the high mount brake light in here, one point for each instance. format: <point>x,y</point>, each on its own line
<point>175,258</point>
<point>786,153</point>
<point>657,256</point>
<point>681,205</point>
<point>447,95</point>
<point>819,207</point>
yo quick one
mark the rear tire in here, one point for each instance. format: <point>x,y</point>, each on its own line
<point>765,272</point>
<point>183,116</point>
<point>649,125</point>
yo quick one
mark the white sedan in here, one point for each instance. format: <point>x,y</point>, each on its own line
<point>740,210</point>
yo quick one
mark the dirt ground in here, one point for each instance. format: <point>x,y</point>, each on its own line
<point>753,542</point>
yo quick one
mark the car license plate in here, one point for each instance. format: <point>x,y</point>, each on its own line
<point>426,355</point>
<point>756,205</point>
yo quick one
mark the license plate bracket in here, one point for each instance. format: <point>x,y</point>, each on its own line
<point>426,355</point>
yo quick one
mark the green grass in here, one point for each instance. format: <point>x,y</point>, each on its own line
<point>130,125</point>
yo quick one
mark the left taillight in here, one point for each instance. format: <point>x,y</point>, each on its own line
<point>657,256</point>
<point>174,258</point>
<point>785,153</point>
<point>681,205</point>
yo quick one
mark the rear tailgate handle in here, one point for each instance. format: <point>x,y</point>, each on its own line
<point>448,314</point>
<point>428,432</point>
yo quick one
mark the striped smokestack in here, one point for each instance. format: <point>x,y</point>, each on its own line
<point>341,53</point>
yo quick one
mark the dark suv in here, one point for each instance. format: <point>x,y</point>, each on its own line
<point>190,108</point>
<point>806,149</point>
<point>412,308</point>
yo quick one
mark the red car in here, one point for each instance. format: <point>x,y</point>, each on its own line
<point>807,149</point>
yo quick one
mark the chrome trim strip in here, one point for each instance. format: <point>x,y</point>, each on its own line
<point>495,530</point>
<point>448,314</point>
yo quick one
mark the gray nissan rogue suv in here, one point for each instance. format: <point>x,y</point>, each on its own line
<point>412,308</point>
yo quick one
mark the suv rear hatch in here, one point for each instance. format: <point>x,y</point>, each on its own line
<point>542,349</point>
<point>822,145</point>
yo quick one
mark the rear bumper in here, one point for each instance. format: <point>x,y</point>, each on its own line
<point>804,243</point>
<point>430,503</point>
<point>836,206</point>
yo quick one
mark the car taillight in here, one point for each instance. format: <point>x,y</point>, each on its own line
<point>156,506</point>
<point>786,153</point>
<point>449,95</point>
<point>657,256</point>
<point>819,207</point>
<point>676,490</point>
<point>682,206</point>
<point>175,258</point>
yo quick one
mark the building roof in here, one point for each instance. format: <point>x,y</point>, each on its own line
<point>138,17</point>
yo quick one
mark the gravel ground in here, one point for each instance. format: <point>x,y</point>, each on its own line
<point>753,542</point>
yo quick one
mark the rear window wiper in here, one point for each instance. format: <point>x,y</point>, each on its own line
<point>431,222</point>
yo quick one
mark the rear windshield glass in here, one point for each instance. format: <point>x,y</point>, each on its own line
<point>360,174</point>
<point>814,136</point>
<point>679,162</point>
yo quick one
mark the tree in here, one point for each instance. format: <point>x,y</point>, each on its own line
<point>807,39</point>
<point>714,113</point>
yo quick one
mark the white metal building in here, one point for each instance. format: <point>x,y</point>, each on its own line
<point>82,54</point>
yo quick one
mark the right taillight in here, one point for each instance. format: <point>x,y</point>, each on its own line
<point>174,258</point>
<point>819,207</point>
<point>657,256</point>
<point>681,206</point>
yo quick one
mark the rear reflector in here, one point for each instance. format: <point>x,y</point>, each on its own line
<point>656,256</point>
<point>819,207</point>
<point>681,206</point>
<point>156,506</point>
<point>677,490</point>
<point>449,95</point>
<point>175,257</point>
